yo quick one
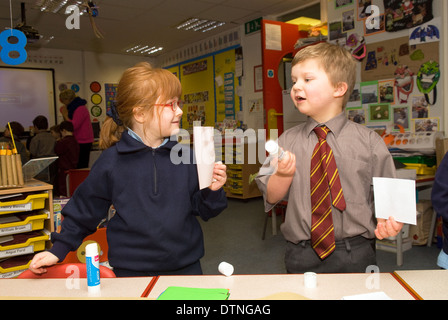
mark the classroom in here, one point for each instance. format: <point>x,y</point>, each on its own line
<point>75,151</point>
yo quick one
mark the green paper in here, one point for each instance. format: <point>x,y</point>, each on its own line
<point>185,293</point>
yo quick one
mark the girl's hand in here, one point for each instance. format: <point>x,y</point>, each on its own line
<point>42,260</point>
<point>219,176</point>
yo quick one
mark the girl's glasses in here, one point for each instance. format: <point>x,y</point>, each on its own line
<point>174,105</point>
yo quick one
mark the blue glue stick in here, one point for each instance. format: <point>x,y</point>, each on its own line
<point>93,268</point>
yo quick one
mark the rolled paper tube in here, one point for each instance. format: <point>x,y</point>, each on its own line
<point>273,149</point>
<point>310,279</point>
<point>225,268</point>
<point>4,171</point>
<point>19,169</point>
<point>9,167</point>
<point>14,170</point>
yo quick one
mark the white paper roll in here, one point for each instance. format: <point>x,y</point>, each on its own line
<point>225,268</point>
<point>310,280</point>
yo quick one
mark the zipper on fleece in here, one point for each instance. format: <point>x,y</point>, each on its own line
<point>156,191</point>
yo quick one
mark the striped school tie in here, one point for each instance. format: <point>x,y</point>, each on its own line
<point>326,189</point>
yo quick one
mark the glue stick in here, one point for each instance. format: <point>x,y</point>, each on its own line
<point>93,269</point>
<point>272,147</point>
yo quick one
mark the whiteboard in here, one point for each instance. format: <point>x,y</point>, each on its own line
<point>26,93</point>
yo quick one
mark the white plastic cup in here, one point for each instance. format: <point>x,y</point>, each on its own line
<point>225,268</point>
<point>310,280</point>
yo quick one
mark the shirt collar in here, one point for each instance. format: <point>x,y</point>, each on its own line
<point>334,124</point>
<point>137,137</point>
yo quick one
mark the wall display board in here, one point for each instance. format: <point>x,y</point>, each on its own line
<point>397,85</point>
<point>26,93</point>
<point>209,89</point>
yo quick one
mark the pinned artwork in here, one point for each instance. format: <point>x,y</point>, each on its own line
<point>406,14</point>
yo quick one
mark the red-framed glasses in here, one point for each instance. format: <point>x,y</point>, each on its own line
<point>174,105</point>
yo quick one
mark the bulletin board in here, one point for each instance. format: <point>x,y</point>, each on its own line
<point>209,90</point>
<point>384,57</point>
<point>387,96</point>
<point>198,92</point>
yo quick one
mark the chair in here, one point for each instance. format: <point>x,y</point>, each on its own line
<point>74,179</point>
<point>273,214</point>
<point>100,237</point>
<point>65,270</point>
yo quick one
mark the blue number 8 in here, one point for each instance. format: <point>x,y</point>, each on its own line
<point>7,47</point>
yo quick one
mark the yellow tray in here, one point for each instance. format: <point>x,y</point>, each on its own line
<point>31,245</point>
<point>421,168</point>
<point>15,268</point>
<point>31,223</point>
<point>31,202</point>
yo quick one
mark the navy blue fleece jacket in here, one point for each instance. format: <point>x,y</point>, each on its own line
<point>439,197</point>
<point>155,227</point>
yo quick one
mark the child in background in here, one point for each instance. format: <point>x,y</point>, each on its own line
<point>17,131</point>
<point>55,132</point>
<point>323,78</point>
<point>42,144</point>
<point>67,149</point>
<point>155,228</point>
<point>439,198</point>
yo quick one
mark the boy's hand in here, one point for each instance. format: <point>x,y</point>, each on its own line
<point>387,228</point>
<point>286,167</point>
<point>41,260</point>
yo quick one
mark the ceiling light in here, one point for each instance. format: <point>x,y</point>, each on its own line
<point>143,49</point>
<point>197,24</point>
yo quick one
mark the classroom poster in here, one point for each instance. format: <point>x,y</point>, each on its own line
<point>226,82</point>
<point>197,79</point>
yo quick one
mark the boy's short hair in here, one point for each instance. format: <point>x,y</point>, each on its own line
<point>41,122</point>
<point>66,125</point>
<point>336,61</point>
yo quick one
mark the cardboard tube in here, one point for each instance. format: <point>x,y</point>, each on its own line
<point>9,167</point>
<point>19,170</point>
<point>14,169</point>
<point>1,173</point>
<point>4,174</point>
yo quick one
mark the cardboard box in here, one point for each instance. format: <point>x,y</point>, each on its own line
<point>441,149</point>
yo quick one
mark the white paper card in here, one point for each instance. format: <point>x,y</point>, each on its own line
<point>368,296</point>
<point>395,198</point>
<point>204,151</point>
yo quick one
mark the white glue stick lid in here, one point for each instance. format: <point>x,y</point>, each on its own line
<point>92,249</point>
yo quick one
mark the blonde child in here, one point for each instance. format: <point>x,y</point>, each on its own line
<point>323,77</point>
<point>155,228</point>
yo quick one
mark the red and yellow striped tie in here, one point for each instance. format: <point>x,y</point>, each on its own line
<point>326,190</point>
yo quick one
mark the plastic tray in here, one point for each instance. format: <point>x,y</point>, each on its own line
<point>34,201</point>
<point>35,243</point>
<point>12,267</point>
<point>31,222</point>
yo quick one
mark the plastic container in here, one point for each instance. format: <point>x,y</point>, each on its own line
<point>27,223</point>
<point>31,202</point>
<point>24,243</point>
<point>93,269</point>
